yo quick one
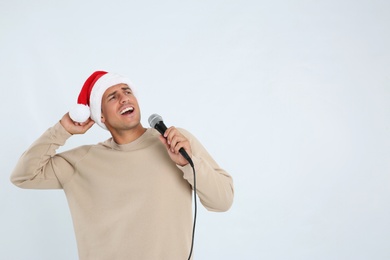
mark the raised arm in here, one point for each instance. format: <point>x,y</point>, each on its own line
<point>36,168</point>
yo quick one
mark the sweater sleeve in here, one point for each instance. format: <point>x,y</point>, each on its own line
<point>38,167</point>
<point>214,185</point>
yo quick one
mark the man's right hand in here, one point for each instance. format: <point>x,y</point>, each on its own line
<point>74,127</point>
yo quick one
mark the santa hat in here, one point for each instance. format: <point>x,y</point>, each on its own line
<point>89,102</point>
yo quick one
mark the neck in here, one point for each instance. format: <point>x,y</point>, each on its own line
<point>128,136</point>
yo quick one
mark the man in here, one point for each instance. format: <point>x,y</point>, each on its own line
<point>131,196</point>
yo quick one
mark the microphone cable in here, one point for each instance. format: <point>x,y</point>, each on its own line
<point>195,209</point>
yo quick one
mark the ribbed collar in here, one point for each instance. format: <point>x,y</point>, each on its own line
<point>130,146</point>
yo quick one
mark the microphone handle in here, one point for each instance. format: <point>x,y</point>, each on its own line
<point>160,126</point>
<point>186,156</point>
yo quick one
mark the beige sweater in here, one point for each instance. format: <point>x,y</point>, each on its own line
<point>127,201</point>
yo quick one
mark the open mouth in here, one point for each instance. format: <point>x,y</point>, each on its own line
<point>127,111</point>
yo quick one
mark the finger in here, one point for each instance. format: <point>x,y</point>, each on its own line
<point>177,143</point>
<point>168,134</point>
<point>171,133</point>
<point>168,131</point>
<point>174,138</point>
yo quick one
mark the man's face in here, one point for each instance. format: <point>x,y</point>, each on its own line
<point>120,110</point>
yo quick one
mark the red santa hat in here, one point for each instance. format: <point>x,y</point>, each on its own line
<point>89,102</point>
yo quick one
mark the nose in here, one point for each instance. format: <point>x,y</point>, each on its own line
<point>124,98</point>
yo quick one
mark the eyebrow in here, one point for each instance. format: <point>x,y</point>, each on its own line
<point>123,88</point>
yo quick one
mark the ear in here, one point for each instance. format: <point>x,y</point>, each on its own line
<point>102,118</point>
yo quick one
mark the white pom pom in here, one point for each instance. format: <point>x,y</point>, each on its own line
<point>80,113</point>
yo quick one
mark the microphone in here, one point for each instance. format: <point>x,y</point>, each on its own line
<point>156,122</point>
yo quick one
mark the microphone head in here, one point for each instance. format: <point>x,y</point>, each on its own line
<point>154,119</point>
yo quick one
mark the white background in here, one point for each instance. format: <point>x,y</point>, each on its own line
<point>292,98</point>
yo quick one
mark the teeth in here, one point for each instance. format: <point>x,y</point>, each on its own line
<point>127,110</point>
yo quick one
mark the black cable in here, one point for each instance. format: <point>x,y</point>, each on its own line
<point>195,210</point>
